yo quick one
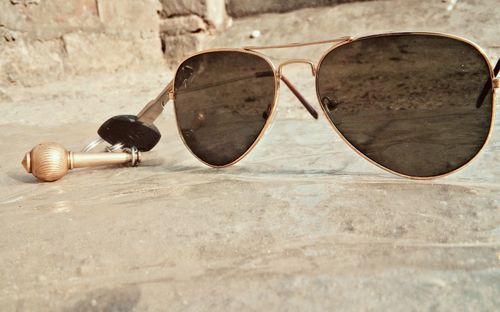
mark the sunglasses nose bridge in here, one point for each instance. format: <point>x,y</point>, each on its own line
<point>296,61</point>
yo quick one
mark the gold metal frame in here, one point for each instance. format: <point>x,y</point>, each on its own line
<point>154,108</point>
<point>492,78</point>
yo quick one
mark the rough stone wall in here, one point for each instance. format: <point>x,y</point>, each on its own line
<point>43,40</point>
<point>186,24</point>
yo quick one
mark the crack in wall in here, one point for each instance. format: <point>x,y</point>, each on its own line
<point>98,10</point>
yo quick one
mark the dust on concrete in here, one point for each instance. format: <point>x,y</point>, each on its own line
<point>302,223</point>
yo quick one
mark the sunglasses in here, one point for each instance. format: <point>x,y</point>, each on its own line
<point>419,105</point>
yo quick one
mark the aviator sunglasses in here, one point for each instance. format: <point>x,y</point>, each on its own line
<point>419,105</point>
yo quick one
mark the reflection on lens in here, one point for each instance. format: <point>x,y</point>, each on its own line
<point>409,102</point>
<point>222,102</point>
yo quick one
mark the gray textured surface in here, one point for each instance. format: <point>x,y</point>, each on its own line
<point>302,223</point>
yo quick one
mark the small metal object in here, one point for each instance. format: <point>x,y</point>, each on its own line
<point>114,148</point>
<point>92,145</point>
<point>97,142</point>
<point>134,162</point>
<point>51,161</point>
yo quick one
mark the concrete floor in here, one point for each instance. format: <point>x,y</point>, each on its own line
<point>303,223</point>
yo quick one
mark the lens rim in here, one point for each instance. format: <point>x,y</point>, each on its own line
<point>431,34</point>
<point>269,120</point>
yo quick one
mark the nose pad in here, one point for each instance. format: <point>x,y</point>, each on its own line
<point>329,104</point>
<point>297,61</point>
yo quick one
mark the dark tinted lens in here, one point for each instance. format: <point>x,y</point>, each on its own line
<point>222,102</point>
<point>411,103</point>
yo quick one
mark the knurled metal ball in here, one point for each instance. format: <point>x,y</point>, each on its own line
<point>47,161</point>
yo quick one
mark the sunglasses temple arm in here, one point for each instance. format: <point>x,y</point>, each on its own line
<point>299,96</point>
<point>155,107</point>
<point>487,86</point>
